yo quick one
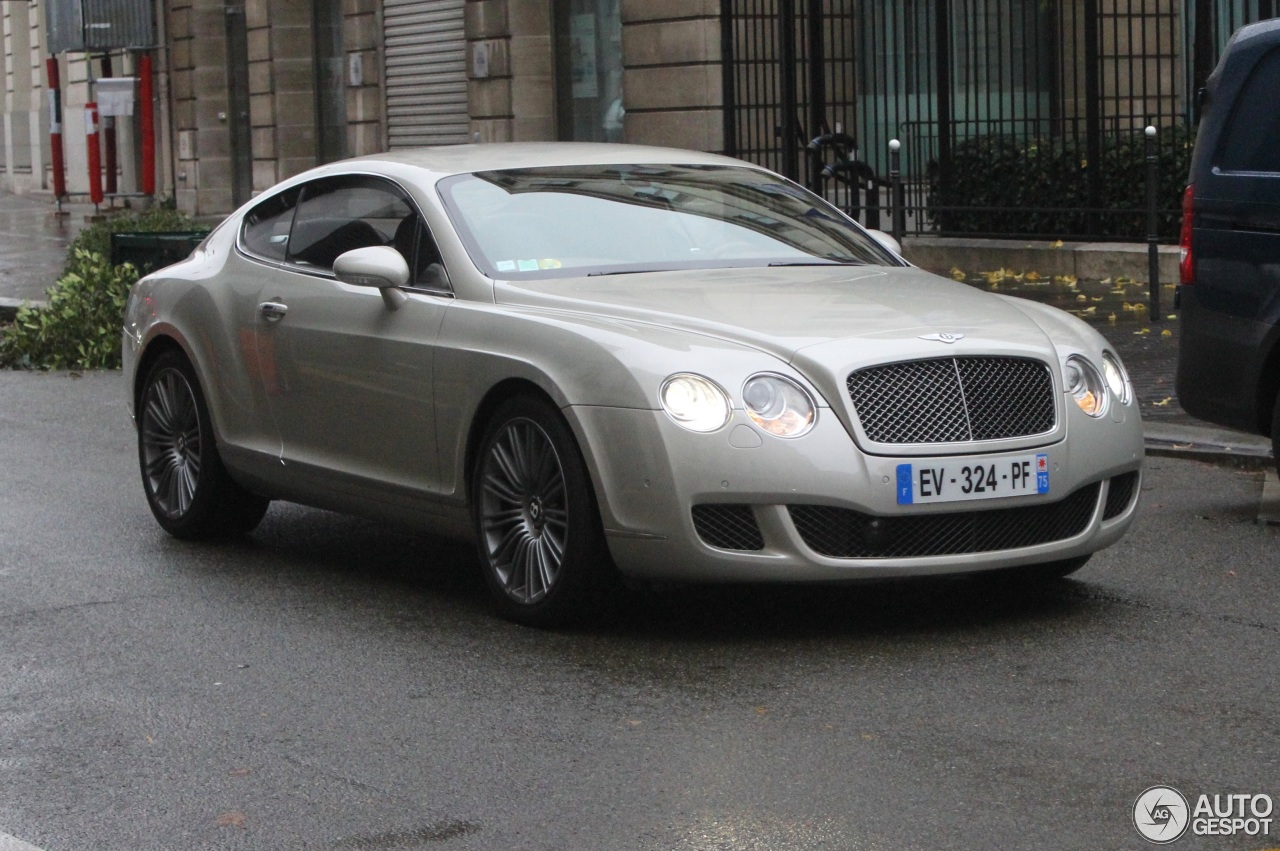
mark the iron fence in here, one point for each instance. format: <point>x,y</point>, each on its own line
<point>1015,116</point>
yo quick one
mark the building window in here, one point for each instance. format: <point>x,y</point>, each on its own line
<point>588,70</point>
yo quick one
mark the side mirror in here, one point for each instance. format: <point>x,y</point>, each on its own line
<point>378,266</point>
<point>885,240</point>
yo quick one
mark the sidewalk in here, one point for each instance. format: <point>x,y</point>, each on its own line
<point>33,245</point>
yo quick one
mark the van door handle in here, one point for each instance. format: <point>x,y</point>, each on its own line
<point>274,311</point>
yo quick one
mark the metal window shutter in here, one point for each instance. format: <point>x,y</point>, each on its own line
<point>426,75</point>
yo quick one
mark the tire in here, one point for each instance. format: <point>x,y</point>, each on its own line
<point>540,540</point>
<point>187,487</point>
<point>1275,433</point>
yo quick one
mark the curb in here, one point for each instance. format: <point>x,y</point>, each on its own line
<point>1241,457</point>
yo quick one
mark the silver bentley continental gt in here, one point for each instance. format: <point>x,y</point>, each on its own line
<point>603,359</point>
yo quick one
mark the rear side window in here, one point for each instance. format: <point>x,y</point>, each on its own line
<point>1251,141</point>
<point>266,226</point>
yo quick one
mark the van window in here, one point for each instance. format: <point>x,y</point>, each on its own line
<point>1251,141</point>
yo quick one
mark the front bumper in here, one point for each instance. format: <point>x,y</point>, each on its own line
<point>649,475</point>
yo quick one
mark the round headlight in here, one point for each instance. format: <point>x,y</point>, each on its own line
<point>1117,379</point>
<point>1085,386</point>
<point>695,402</point>
<point>778,405</point>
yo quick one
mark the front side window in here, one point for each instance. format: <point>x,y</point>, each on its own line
<point>340,214</point>
<point>591,220</point>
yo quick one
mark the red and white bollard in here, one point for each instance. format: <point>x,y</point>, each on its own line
<point>55,129</point>
<point>148,129</point>
<point>95,157</point>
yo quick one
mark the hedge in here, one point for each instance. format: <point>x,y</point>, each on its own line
<point>1034,184</point>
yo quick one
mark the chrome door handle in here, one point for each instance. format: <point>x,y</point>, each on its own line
<point>274,311</point>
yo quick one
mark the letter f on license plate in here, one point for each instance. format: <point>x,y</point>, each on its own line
<point>962,479</point>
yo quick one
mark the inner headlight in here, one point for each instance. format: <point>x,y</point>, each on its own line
<point>695,402</point>
<point>778,405</point>
<point>1117,379</point>
<point>1085,386</point>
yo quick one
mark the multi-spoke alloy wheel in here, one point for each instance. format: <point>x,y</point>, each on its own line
<point>188,489</point>
<point>539,533</point>
<point>523,512</point>
<point>171,443</point>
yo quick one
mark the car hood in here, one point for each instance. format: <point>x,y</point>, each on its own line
<point>839,315</point>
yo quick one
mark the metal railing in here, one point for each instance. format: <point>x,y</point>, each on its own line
<point>986,96</point>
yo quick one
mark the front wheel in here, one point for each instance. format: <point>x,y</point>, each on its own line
<point>188,489</point>
<point>541,544</point>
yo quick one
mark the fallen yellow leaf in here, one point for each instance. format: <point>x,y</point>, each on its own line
<point>1089,310</point>
<point>1057,243</point>
<point>1165,401</point>
<point>1033,276</point>
<point>1172,316</point>
<point>1095,298</point>
<point>1112,319</point>
<point>957,274</point>
<point>1105,281</point>
<point>1065,279</point>
<point>1166,333</point>
<point>1143,331</point>
<point>1082,297</point>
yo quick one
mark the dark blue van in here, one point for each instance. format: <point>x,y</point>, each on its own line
<point>1229,357</point>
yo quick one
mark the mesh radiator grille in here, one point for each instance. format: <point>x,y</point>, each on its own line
<point>953,400</point>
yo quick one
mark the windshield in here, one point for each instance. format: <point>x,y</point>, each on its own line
<point>614,219</point>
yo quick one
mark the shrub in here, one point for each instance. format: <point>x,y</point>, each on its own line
<point>80,326</point>
<point>1040,186</point>
<point>96,239</point>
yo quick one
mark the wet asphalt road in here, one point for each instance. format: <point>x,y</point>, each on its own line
<point>331,683</point>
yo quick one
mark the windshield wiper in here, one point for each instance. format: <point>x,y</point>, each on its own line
<point>624,272</point>
<point>817,263</point>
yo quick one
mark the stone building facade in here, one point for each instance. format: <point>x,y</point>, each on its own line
<point>249,92</point>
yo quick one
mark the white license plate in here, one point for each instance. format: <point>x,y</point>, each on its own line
<point>960,479</point>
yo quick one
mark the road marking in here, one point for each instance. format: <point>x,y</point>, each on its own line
<point>13,843</point>
<point>1269,504</point>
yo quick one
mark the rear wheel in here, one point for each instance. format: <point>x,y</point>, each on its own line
<point>188,489</point>
<point>541,544</point>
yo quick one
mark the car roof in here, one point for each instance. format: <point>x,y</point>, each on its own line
<point>460,159</point>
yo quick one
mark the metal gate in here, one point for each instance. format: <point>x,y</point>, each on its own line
<point>1044,99</point>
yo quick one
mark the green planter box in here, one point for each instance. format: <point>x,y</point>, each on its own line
<point>153,250</point>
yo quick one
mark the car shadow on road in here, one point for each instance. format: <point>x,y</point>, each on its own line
<point>339,558</point>
<point>905,607</point>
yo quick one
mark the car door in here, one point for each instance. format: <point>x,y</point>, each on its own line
<point>349,377</point>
